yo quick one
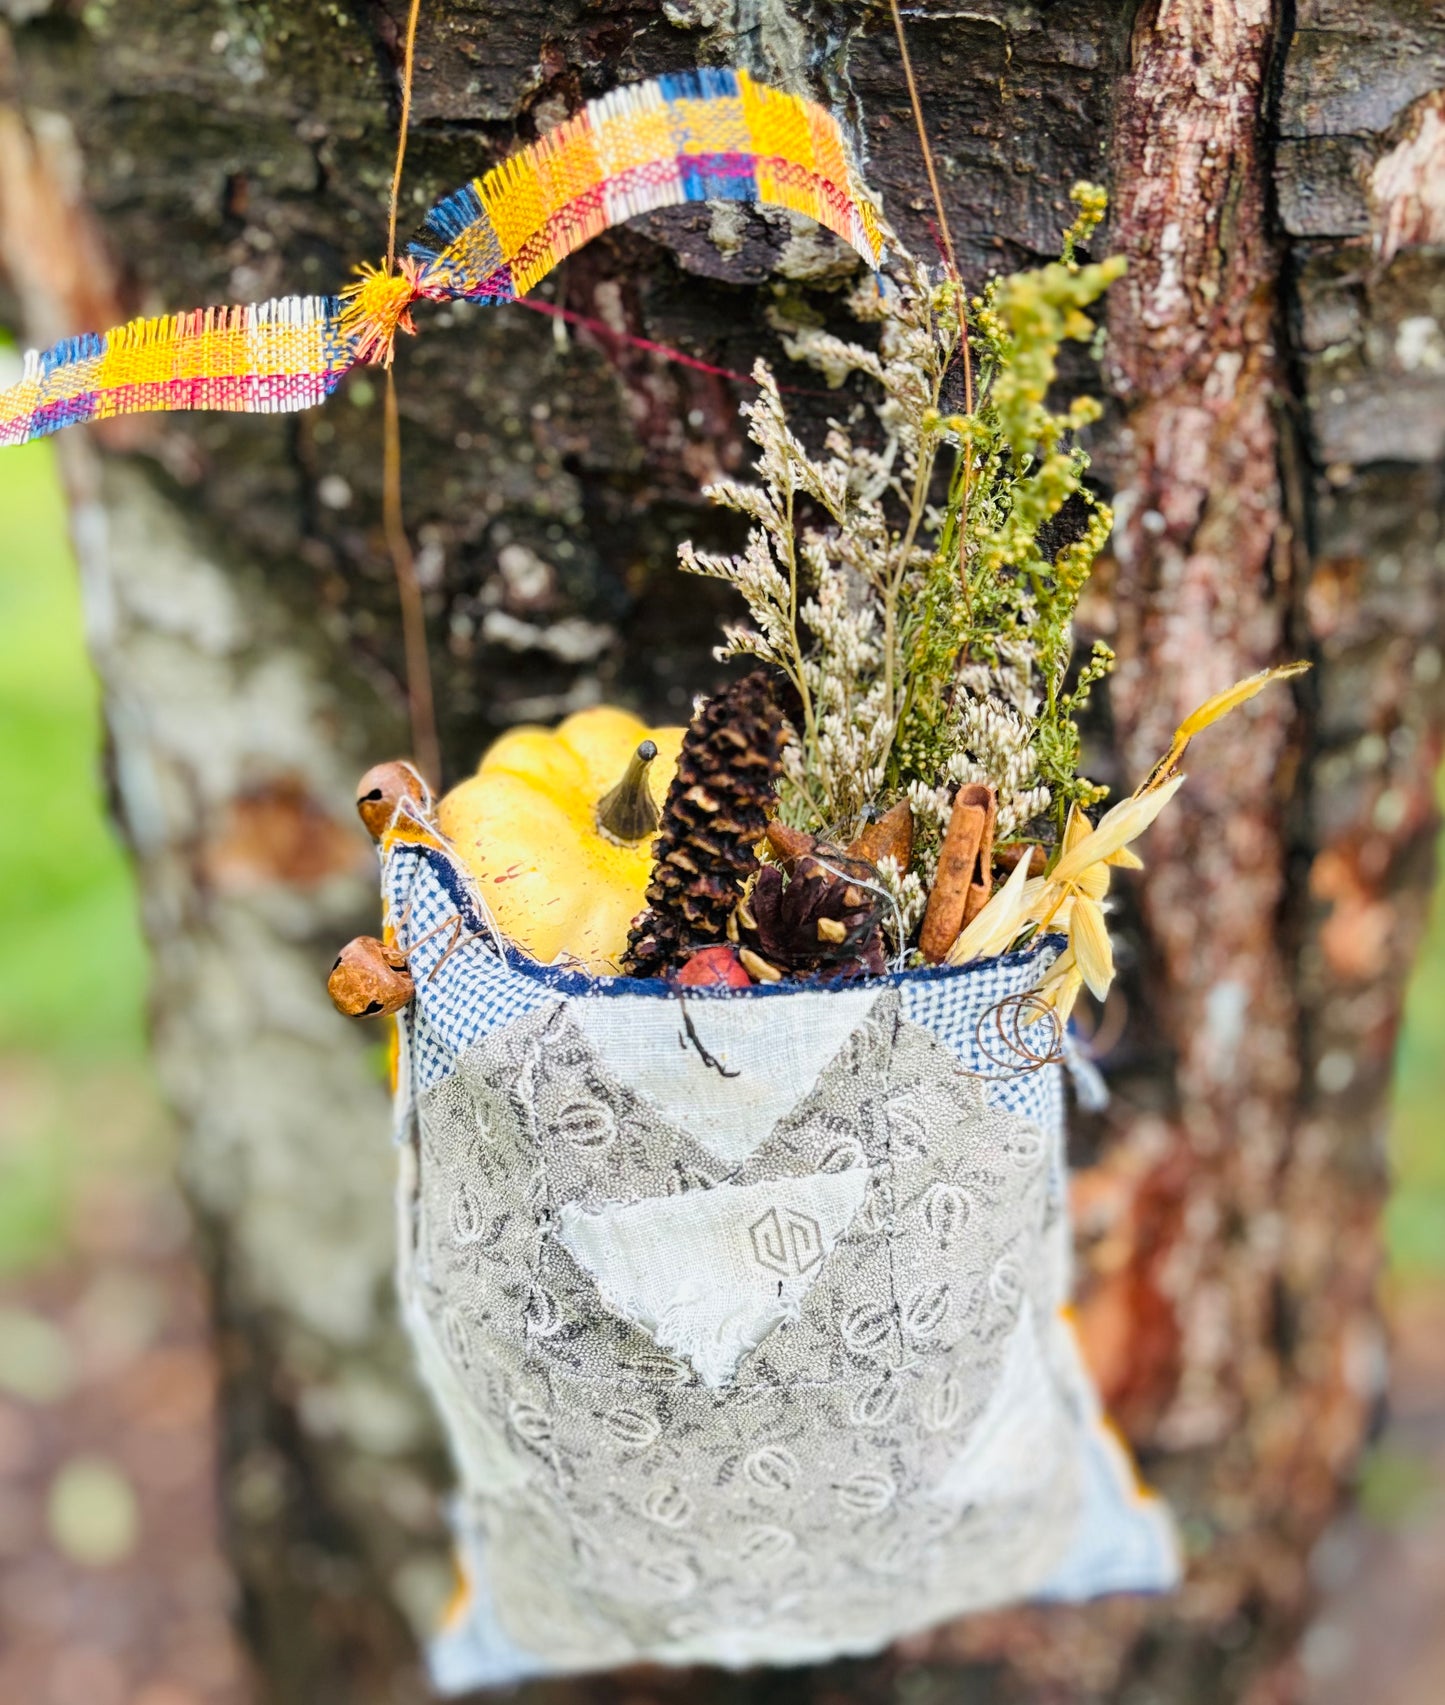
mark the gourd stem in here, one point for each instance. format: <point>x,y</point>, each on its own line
<point>628,813</point>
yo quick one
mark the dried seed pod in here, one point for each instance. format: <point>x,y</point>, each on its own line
<point>369,979</point>
<point>788,844</point>
<point>1007,858</point>
<point>758,968</point>
<point>965,864</point>
<point>890,837</point>
<point>384,788</point>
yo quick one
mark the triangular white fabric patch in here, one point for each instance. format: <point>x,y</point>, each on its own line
<point>771,1064</point>
<point>710,1273</point>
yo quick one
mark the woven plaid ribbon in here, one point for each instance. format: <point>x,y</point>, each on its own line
<point>697,136</point>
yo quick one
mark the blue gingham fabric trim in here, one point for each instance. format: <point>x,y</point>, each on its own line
<point>466,991</point>
<point>431,1058</point>
<point>975,1013</point>
<point>462,994</point>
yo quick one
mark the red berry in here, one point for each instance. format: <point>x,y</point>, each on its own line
<point>714,968</point>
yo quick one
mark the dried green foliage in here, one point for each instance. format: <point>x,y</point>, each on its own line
<point>901,579</point>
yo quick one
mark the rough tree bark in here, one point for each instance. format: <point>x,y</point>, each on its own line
<point>1276,360</point>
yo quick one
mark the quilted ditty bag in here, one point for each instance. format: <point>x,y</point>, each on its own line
<point>745,1310</point>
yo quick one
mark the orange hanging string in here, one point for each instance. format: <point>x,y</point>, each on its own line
<point>943,232</point>
<point>426,749</point>
<point>421,703</point>
<point>408,60</point>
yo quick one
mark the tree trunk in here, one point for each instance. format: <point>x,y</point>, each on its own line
<point>1277,363</point>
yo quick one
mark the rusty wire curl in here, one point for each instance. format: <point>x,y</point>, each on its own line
<point>1011,1018</point>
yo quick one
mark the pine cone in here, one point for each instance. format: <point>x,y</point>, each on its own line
<point>715,815</point>
<point>813,918</point>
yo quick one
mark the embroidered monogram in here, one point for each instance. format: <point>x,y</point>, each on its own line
<point>787,1243</point>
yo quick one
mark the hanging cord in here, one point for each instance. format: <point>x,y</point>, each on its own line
<point>426,750</point>
<point>408,60</point>
<point>951,261</point>
<point>421,704</point>
<point>944,234</point>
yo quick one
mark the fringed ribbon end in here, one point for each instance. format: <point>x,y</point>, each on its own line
<point>376,308</point>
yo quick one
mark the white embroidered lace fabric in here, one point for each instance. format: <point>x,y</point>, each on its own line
<point>747,1336</point>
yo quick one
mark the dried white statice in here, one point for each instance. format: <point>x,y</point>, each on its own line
<point>907,892</point>
<point>834,600</point>
<point>996,745</point>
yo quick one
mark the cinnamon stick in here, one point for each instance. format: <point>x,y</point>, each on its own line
<point>981,887</point>
<point>964,880</point>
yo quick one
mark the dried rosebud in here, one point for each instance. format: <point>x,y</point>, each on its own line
<point>384,788</point>
<point>716,967</point>
<point>369,979</point>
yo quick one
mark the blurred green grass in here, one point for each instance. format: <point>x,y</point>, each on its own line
<point>72,999</point>
<point>75,967</point>
<point>76,1098</point>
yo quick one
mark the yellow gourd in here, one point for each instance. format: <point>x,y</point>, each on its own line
<point>556,828</point>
